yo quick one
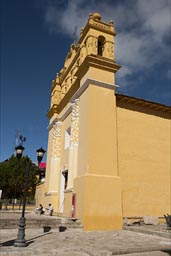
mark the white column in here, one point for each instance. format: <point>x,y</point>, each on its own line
<point>72,166</point>
<point>61,194</point>
<point>56,159</point>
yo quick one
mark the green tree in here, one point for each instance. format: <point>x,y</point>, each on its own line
<point>13,177</point>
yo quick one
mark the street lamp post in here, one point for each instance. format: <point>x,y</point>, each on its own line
<point>20,241</point>
<point>19,151</point>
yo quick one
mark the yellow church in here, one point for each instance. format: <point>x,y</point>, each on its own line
<point>108,154</point>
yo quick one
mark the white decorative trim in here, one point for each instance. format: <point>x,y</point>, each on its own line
<point>57,132</point>
<point>68,190</point>
<point>75,122</point>
<point>73,145</point>
<point>86,84</point>
<point>52,192</point>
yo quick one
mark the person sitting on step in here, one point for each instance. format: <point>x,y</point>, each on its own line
<point>50,210</point>
<point>41,209</point>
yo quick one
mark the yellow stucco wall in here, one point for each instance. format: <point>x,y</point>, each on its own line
<point>98,202</point>
<point>97,74</point>
<point>144,160</point>
<point>39,194</point>
<point>98,187</point>
<point>68,204</point>
<point>97,148</point>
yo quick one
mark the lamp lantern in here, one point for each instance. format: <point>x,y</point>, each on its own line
<point>40,154</point>
<point>19,151</point>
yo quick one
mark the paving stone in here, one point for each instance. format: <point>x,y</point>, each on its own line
<point>151,220</point>
<point>76,242</point>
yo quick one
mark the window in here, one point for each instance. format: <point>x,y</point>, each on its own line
<point>101,40</point>
<point>67,137</point>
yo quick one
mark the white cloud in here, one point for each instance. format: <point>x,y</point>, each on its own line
<point>64,20</point>
<point>143,28</point>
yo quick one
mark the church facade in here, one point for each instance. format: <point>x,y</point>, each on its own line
<point>108,154</point>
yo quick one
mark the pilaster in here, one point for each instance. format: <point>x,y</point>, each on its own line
<point>55,159</point>
<point>97,185</point>
<point>73,149</point>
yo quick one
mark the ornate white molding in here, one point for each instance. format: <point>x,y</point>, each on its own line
<point>49,193</point>
<point>57,132</point>
<point>68,190</point>
<point>75,123</point>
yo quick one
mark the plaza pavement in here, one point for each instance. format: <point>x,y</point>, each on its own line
<point>76,242</point>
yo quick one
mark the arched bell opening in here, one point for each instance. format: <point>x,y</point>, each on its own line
<point>101,41</point>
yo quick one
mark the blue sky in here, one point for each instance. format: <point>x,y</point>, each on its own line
<point>35,38</point>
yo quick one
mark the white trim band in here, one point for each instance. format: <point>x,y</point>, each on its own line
<point>88,82</point>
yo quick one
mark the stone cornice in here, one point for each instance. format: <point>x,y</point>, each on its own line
<point>97,62</point>
<point>53,110</point>
<point>142,103</point>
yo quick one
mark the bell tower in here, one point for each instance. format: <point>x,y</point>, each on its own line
<point>97,185</point>
<point>95,47</point>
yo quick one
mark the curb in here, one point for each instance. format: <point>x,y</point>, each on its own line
<point>149,232</point>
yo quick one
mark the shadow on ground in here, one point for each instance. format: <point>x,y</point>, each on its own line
<point>8,243</point>
<point>29,241</point>
<point>167,251</point>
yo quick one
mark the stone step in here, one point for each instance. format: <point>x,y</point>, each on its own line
<point>23,253</point>
<point>12,253</point>
<point>41,222</point>
<point>36,252</point>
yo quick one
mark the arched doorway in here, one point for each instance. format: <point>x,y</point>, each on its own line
<point>63,186</point>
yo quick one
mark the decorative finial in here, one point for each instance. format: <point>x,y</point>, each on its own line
<point>97,16</point>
